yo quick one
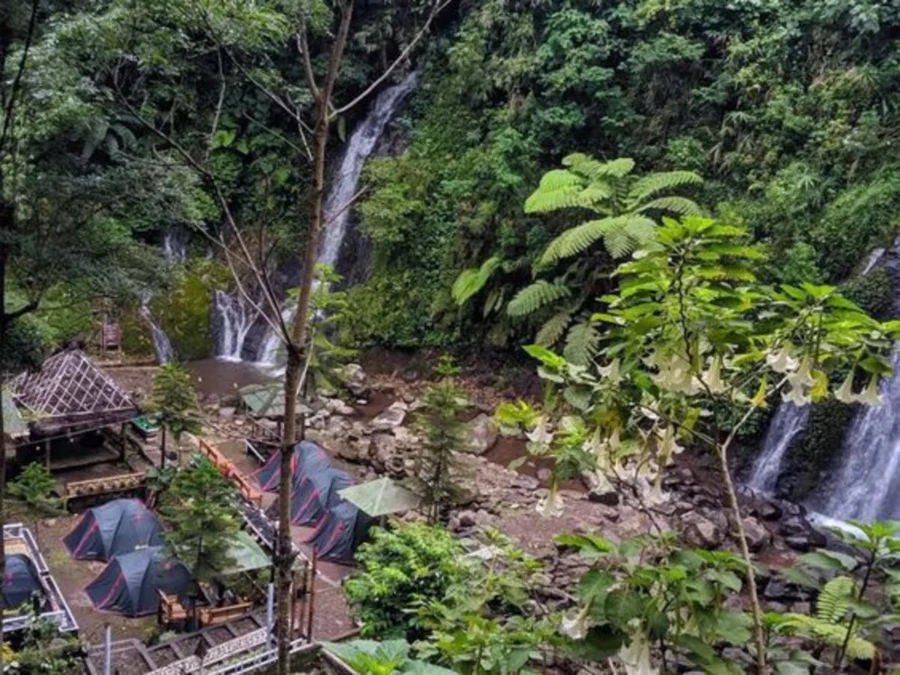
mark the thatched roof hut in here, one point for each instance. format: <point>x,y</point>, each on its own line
<point>70,393</point>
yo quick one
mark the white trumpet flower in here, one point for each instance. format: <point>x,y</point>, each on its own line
<point>713,377</point>
<point>781,361</point>
<point>575,624</point>
<point>802,377</point>
<point>844,393</point>
<point>636,656</point>
<point>869,395</point>
<point>797,396</point>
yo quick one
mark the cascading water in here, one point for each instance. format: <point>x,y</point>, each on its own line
<point>868,484</point>
<point>175,252</point>
<point>786,425</point>
<point>344,188</point>
<point>236,317</point>
<point>161,343</point>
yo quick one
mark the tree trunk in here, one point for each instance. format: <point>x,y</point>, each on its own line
<point>162,448</point>
<point>296,342</point>
<point>3,341</point>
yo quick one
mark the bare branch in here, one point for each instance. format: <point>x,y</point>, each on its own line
<point>436,8</point>
<point>219,103</point>
<point>284,139</point>
<point>303,48</point>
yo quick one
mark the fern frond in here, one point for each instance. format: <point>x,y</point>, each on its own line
<point>830,634</point>
<point>595,193</point>
<point>581,343</point>
<point>655,183</point>
<point>680,205</point>
<point>619,168</point>
<point>544,200</point>
<point>472,280</point>
<point>577,239</point>
<point>835,599</point>
<point>533,297</point>
<point>558,178</point>
<point>553,328</point>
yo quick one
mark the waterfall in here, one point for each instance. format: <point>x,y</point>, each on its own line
<point>867,487</point>
<point>788,422</point>
<point>343,189</point>
<point>236,317</point>
<point>161,343</point>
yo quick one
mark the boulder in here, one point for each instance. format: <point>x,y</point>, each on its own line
<point>604,496</point>
<point>700,531</point>
<point>226,413</point>
<point>382,448</point>
<point>338,427</point>
<point>337,407</point>
<point>784,591</point>
<point>391,418</point>
<point>758,537</point>
<point>468,519</point>
<point>355,379</point>
<point>482,434</point>
<point>351,450</point>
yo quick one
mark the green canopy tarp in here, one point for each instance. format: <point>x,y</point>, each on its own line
<point>380,497</point>
<point>246,555</point>
<point>13,424</point>
<point>264,400</point>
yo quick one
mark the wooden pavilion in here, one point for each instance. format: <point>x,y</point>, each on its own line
<point>69,398</point>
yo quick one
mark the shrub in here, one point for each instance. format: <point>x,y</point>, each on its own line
<point>35,487</point>
<point>402,569</point>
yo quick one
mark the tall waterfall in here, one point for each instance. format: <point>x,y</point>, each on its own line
<point>868,484</point>
<point>788,422</point>
<point>344,188</point>
<point>236,316</point>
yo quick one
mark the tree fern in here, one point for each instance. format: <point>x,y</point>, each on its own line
<point>539,294</point>
<point>681,205</point>
<point>830,634</point>
<point>621,235</point>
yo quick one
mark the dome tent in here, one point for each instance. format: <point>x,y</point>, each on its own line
<point>307,458</point>
<point>21,581</point>
<point>130,583</point>
<point>315,494</point>
<point>117,527</point>
<point>340,532</point>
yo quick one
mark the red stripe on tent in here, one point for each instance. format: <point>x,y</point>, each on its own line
<point>337,531</point>
<point>91,529</point>
<point>302,509</point>
<point>119,580</point>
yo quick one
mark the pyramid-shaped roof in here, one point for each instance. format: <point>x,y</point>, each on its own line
<point>71,392</point>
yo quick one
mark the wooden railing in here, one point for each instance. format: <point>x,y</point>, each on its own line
<point>213,616</point>
<point>230,471</point>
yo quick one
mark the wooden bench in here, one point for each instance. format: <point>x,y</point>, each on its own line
<point>170,610</point>
<point>214,616</point>
<point>126,482</point>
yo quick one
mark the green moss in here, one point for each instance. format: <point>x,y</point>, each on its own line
<point>184,312</point>
<point>872,292</point>
<point>136,338</point>
<point>821,443</point>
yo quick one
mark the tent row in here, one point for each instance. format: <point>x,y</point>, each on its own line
<point>128,536</point>
<point>339,526</point>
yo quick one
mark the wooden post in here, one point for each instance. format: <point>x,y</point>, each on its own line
<point>123,442</point>
<point>311,594</point>
<point>47,453</point>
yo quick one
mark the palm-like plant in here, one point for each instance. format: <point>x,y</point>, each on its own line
<point>623,208</point>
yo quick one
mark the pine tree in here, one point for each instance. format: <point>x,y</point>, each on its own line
<point>443,436</point>
<point>174,402</point>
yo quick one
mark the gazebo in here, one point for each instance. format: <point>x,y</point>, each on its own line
<point>69,396</point>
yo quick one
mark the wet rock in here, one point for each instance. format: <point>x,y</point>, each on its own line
<point>352,450</point>
<point>767,511</point>
<point>468,519</point>
<point>482,434</point>
<point>700,531</point>
<point>226,413</point>
<point>355,379</point>
<point>391,418</point>
<point>758,537</point>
